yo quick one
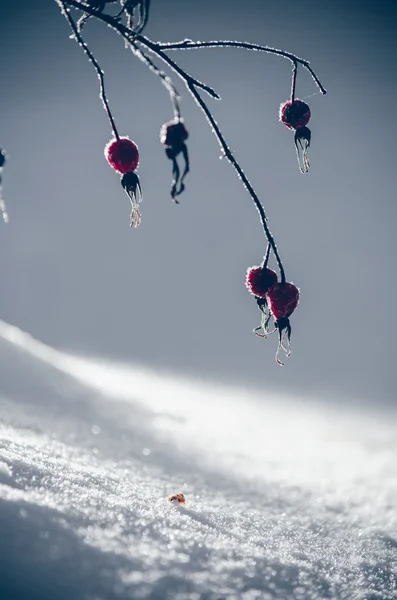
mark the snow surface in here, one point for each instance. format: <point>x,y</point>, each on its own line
<point>286,498</point>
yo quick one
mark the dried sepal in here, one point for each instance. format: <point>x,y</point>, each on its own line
<point>131,184</point>
<point>263,329</point>
<point>3,208</point>
<point>283,327</point>
<point>279,302</point>
<point>302,144</point>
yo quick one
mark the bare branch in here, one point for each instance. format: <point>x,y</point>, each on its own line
<point>190,45</point>
<point>132,38</point>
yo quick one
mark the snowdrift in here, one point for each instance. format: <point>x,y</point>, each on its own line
<point>286,498</point>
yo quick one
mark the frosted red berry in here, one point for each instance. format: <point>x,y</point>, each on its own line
<point>173,134</point>
<point>122,155</point>
<point>259,280</point>
<point>282,299</point>
<point>294,114</point>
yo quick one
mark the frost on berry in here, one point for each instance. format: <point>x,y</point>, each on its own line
<point>122,155</point>
<point>294,114</point>
<point>259,279</point>
<point>173,136</point>
<point>282,299</point>
<point>3,208</point>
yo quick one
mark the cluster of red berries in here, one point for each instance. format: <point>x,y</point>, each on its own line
<point>275,299</point>
<point>280,299</point>
<point>295,115</point>
<point>123,156</point>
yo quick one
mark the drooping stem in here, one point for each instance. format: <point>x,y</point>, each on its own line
<point>293,82</point>
<point>174,95</point>
<point>82,43</point>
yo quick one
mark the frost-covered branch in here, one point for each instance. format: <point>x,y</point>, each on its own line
<point>191,45</point>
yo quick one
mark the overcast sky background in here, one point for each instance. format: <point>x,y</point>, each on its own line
<point>171,294</point>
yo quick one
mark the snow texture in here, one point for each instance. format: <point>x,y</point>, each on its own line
<point>286,498</point>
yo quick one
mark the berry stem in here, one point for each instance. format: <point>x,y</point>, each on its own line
<point>293,82</point>
<point>82,43</point>
<point>266,257</point>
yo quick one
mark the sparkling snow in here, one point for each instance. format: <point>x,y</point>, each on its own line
<point>286,498</point>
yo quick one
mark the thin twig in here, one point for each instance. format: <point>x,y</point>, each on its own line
<point>153,46</point>
<point>293,82</point>
<point>92,58</point>
<point>267,256</point>
<point>191,85</point>
<point>131,38</point>
<point>190,45</point>
<point>174,95</point>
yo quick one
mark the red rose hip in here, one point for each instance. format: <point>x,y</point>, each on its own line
<point>282,299</point>
<point>259,280</point>
<point>122,155</point>
<point>294,114</point>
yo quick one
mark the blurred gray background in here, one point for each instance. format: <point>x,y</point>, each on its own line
<point>171,294</point>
